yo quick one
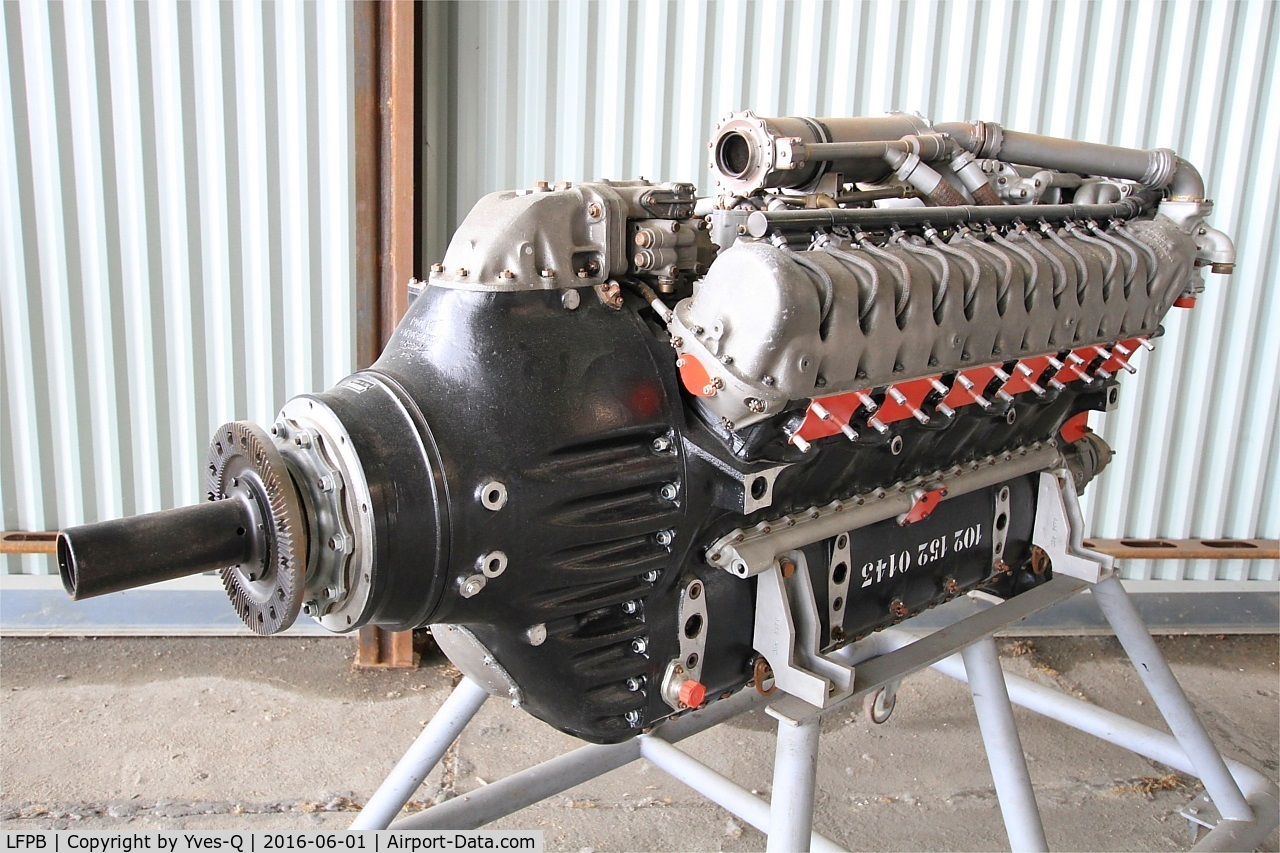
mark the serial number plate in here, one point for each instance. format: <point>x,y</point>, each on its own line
<point>924,553</point>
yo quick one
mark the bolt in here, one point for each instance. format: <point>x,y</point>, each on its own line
<point>634,684</point>
<point>472,586</point>
<point>325,483</point>
<point>649,576</point>
<point>898,609</point>
<point>338,542</point>
<point>437,267</point>
<point>302,439</point>
<point>787,566</point>
<point>639,645</point>
<point>571,299</point>
<point>537,634</point>
<point>309,608</point>
<point>665,537</point>
<point>593,210</point>
<point>463,272</point>
<point>507,274</point>
<point>633,717</point>
<point>754,404</point>
<point>669,492</point>
<point>661,444</point>
<point>331,593</point>
<point>547,273</point>
<point>631,607</point>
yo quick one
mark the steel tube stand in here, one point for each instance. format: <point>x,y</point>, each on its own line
<point>458,710</point>
<point>1248,802</point>
<point>1005,755</point>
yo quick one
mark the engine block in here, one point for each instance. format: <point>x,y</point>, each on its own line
<point>632,450</point>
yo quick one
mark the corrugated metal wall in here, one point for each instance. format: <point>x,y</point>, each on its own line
<point>176,196</point>
<point>175,241</point>
<point>577,91</point>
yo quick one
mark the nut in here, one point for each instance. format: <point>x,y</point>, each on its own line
<point>472,586</point>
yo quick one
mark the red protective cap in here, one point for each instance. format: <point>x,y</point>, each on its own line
<point>1184,302</point>
<point>692,693</point>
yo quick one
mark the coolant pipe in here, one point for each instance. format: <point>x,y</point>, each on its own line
<point>1155,168</point>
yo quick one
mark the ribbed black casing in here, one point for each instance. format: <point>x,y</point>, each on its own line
<point>563,408</point>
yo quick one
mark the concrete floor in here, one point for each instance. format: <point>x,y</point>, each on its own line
<point>281,733</point>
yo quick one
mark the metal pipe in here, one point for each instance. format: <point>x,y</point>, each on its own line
<point>1155,168</point>
<point>425,753</point>
<point>716,787</point>
<point>537,783</point>
<point>1170,699</point>
<point>795,771</point>
<point>1005,756</point>
<point>1128,734</point>
<point>761,222</point>
<point>110,556</point>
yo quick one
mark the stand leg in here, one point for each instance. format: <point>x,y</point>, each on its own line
<point>422,756</point>
<point>795,770</point>
<point>1004,747</point>
<point>1169,698</point>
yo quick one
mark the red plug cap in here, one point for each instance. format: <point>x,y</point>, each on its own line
<point>692,693</point>
<point>1184,302</point>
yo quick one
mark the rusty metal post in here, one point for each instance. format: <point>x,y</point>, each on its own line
<point>385,123</point>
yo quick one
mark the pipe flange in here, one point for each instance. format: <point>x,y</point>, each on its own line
<point>1161,165</point>
<point>322,458</point>
<point>245,465</point>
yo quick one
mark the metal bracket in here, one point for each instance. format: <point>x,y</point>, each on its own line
<point>787,634</point>
<point>1000,525</point>
<point>691,634</point>
<point>747,552</point>
<point>1057,530</point>
<point>838,586</point>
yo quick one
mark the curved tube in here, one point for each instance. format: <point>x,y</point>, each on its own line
<point>1002,290</point>
<point>1082,269</point>
<point>1033,278</point>
<point>1156,168</point>
<point>865,243</point>
<point>1059,280</point>
<point>850,260</point>
<point>1129,271</point>
<point>1114,255</point>
<point>944,282</point>
<point>970,287</point>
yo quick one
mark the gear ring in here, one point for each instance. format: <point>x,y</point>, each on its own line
<point>245,465</point>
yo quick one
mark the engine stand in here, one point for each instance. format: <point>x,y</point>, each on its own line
<point>1246,801</point>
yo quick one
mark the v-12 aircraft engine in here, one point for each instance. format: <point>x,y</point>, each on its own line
<point>632,450</point>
